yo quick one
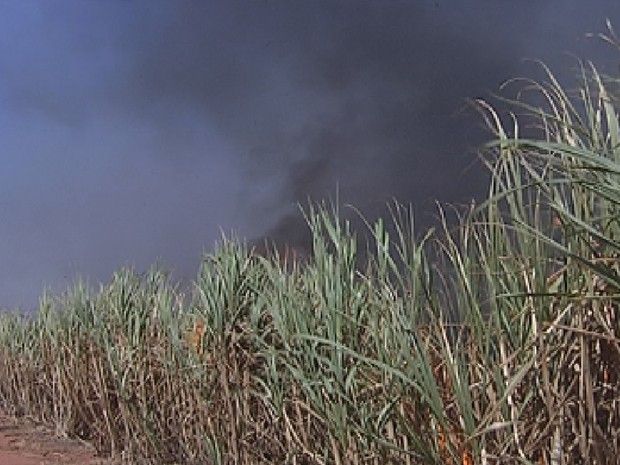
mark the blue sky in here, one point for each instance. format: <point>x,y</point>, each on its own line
<point>135,131</point>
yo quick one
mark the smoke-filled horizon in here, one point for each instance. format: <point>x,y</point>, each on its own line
<point>135,132</point>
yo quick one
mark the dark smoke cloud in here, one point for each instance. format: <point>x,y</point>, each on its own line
<point>136,129</point>
<point>359,95</point>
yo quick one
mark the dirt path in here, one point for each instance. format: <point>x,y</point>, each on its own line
<point>24,442</point>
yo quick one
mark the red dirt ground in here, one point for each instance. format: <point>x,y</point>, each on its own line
<point>24,442</point>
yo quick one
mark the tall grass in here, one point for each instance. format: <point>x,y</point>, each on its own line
<point>502,348</point>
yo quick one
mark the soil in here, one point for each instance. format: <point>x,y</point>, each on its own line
<point>26,442</point>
